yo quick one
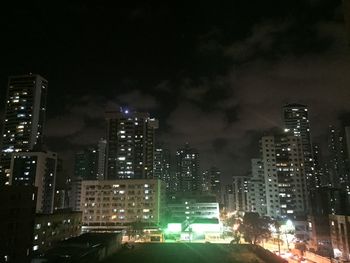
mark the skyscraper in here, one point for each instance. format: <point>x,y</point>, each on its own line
<point>296,121</point>
<point>320,168</point>
<point>347,140</point>
<point>24,118</point>
<point>284,175</point>
<point>130,145</point>
<point>86,164</point>
<point>339,174</point>
<point>256,188</point>
<point>187,170</point>
<point>161,167</point>
<point>101,159</point>
<point>215,183</point>
<point>229,198</point>
<point>36,169</point>
<point>210,183</point>
<point>205,182</point>
<point>240,193</point>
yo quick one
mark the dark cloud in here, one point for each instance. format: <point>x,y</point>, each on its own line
<point>256,92</point>
<point>219,144</point>
<point>215,75</point>
<point>138,100</point>
<point>225,116</point>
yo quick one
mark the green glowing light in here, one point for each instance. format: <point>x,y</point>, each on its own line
<point>174,228</point>
<point>202,228</point>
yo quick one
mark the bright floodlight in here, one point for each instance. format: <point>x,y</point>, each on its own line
<point>174,227</point>
<point>289,223</point>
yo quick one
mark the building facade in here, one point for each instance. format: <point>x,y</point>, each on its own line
<point>192,209</point>
<point>296,121</point>
<point>49,229</point>
<point>161,168</point>
<point>215,183</point>
<point>24,118</point>
<point>340,236</point>
<point>75,194</point>
<point>319,235</point>
<point>101,159</point>
<point>86,164</point>
<point>130,145</point>
<point>338,165</point>
<point>321,169</point>
<point>17,213</point>
<point>284,175</point>
<point>256,188</point>
<point>229,199</point>
<point>187,170</point>
<point>115,204</point>
<point>36,169</point>
<point>240,193</point>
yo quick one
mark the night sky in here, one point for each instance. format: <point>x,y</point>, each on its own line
<point>215,73</point>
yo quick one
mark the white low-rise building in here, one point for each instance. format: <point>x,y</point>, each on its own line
<point>115,204</point>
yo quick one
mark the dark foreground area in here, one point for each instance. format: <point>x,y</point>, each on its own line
<point>193,252</point>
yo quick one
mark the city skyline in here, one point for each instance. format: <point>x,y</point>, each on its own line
<point>199,127</point>
<point>230,80</point>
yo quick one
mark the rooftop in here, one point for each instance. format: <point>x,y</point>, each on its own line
<point>192,253</point>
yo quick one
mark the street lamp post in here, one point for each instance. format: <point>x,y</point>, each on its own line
<point>287,240</point>
<point>278,231</point>
<point>278,241</point>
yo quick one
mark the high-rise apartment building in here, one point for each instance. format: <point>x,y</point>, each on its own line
<point>101,159</point>
<point>229,198</point>
<point>296,121</point>
<point>284,175</point>
<point>75,194</point>
<point>24,118</point>
<point>256,188</point>
<point>130,145</point>
<point>211,183</point>
<point>86,164</point>
<point>338,170</point>
<point>240,193</point>
<point>319,166</point>
<point>347,140</point>
<point>161,167</point>
<point>187,170</point>
<point>36,169</point>
<point>205,182</point>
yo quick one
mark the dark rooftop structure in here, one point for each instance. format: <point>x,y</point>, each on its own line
<point>17,215</point>
<point>89,247</point>
<point>193,253</point>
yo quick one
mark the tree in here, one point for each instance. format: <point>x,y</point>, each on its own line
<point>136,228</point>
<point>236,238</point>
<point>255,228</point>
